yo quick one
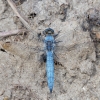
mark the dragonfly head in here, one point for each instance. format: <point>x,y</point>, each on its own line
<point>48,31</point>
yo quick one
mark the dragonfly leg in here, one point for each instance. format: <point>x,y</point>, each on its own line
<point>44,33</point>
<point>56,42</point>
<point>56,35</point>
<point>40,38</point>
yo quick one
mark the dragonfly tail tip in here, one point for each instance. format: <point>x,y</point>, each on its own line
<point>50,90</point>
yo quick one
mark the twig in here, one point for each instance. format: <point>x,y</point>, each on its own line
<point>9,33</point>
<point>13,6</point>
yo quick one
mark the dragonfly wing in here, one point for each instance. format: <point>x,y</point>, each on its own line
<point>72,53</point>
<point>19,49</point>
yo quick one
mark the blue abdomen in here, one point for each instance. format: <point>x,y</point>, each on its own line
<point>50,70</point>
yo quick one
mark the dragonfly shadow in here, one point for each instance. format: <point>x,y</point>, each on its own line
<point>43,58</point>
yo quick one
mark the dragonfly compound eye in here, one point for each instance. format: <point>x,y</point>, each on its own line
<point>49,31</point>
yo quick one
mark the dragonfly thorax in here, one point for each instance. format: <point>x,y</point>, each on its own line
<point>49,43</point>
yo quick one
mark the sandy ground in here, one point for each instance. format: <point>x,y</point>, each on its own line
<point>77,71</point>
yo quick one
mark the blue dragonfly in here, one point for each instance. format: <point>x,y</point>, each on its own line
<point>48,55</point>
<point>50,48</point>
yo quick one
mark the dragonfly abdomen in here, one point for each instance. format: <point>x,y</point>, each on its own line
<point>50,70</point>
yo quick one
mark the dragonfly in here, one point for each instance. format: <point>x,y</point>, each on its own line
<point>50,44</point>
<point>51,52</point>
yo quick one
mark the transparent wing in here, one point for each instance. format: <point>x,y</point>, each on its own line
<point>69,53</point>
<point>66,51</point>
<point>23,50</point>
